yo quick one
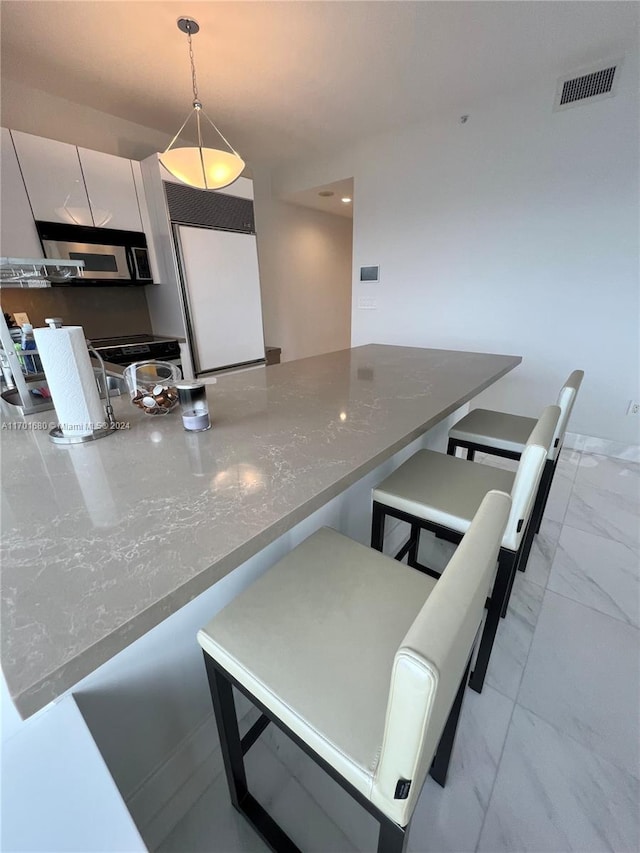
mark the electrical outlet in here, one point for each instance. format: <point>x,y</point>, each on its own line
<point>633,407</point>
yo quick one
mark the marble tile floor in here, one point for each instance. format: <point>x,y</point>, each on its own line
<point>547,757</point>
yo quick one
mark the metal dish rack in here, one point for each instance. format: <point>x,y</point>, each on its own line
<point>18,371</point>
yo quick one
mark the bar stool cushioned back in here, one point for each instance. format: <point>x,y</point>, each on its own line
<point>566,400</point>
<point>431,660</point>
<point>528,475</point>
<point>361,660</point>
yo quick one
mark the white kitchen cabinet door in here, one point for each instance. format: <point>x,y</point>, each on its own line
<point>111,190</point>
<point>53,178</point>
<point>222,283</point>
<point>18,235</point>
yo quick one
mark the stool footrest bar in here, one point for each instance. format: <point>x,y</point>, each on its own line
<point>254,733</point>
<point>420,567</point>
<point>273,836</point>
<point>402,553</point>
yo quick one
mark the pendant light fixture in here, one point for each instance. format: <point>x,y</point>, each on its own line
<point>202,167</point>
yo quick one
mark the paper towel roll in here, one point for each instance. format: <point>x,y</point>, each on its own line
<point>67,366</point>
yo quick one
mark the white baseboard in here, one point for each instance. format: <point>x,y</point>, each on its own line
<point>602,446</point>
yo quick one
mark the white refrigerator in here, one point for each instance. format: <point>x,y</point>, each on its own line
<point>221,289</point>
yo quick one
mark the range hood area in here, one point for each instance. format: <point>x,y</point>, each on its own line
<point>109,256</point>
<point>60,201</point>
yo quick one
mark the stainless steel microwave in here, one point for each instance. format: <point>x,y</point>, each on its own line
<point>111,257</point>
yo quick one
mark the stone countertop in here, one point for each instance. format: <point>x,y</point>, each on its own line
<point>103,541</point>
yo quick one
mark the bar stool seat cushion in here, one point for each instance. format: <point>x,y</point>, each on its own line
<point>494,429</point>
<point>442,489</point>
<point>349,608</point>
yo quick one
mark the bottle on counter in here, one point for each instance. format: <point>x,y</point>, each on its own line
<point>31,363</point>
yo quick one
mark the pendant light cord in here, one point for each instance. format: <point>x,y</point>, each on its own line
<point>198,108</point>
<point>196,100</point>
<point>194,82</point>
<point>197,103</point>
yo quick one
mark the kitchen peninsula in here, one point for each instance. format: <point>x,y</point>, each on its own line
<point>105,542</point>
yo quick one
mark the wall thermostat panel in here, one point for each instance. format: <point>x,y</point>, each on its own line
<point>370,274</point>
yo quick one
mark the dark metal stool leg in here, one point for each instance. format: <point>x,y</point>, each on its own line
<point>412,556</point>
<point>471,454</point>
<point>441,759</point>
<point>527,542</point>
<point>500,587</point>
<point>451,447</point>
<point>231,746</point>
<point>230,743</point>
<point>515,567</point>
<point>547,489</point>
<point>392,838</point>
<point>507,598</point>
<point>539,504</point>
<point>377,526</point>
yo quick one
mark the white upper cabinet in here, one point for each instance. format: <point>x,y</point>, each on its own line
<point>18,236</point>
<point>111,190</point>
<point>76,185</point>
<point>53,178</point>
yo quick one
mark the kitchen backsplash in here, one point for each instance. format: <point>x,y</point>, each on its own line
<point>102,313</point>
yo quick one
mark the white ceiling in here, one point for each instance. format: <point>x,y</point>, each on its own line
<point>328,204</point>
<point>297,79</point>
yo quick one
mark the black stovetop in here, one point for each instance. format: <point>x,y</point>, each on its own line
<point>126,340</point>
<point>128,348</point>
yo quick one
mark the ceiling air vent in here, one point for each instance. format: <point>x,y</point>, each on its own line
<point>587,87</point>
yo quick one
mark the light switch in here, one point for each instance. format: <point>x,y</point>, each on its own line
<point>367,302</point>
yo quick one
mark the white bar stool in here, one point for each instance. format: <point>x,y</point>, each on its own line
<point>503,434</point>
<point>440,493</point>
<point>362,662</point>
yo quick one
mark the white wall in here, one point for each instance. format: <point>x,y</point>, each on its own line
<point>305,275</point>
<point>516,232</point>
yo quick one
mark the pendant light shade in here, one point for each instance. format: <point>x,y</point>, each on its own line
<point>205,168</point>
<point>200,166</point>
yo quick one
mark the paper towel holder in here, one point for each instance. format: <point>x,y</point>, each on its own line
<point>58,437</point>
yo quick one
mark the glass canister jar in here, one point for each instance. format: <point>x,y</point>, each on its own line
<point>152,386</point>
<point>195,409</point>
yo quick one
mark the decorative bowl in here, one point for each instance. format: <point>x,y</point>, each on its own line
<point>152,386</point>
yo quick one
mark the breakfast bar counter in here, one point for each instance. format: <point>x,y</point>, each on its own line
<point>104,541</point>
